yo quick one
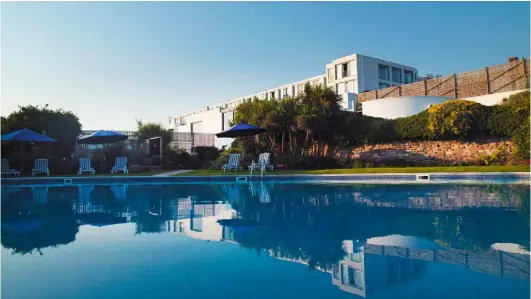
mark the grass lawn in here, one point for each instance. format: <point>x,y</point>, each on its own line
<point>513,168</point>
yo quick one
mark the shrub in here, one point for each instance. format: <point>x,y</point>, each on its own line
<point>521,139</point>
<point>457,119</point>
<point>502,121</point>
<point>413,127</point>
<point>206,154</point>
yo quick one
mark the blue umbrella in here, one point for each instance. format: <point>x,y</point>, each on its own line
<point>241,130</point>
<point>26,135</point>
<point>101,137</point>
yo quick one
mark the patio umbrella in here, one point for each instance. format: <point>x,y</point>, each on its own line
<point>102,137</point>
<point>241,130</point>
<point>26,136</point>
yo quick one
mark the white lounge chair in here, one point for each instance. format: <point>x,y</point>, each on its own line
<point>263,159</point>
<point>7,170</point>
<point>41,166</point>
<point>233,164</point>
<point>85,166</point>
<point>120,165</point>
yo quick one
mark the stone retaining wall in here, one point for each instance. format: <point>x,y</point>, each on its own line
<point>430,152</point>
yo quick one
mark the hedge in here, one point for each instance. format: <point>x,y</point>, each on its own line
<point>450,120</point>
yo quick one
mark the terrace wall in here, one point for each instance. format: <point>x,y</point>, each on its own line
<point>429,152</point>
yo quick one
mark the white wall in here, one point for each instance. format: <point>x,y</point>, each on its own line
<point>211,122</point>
<point>392,108</point>
<point>493,99</point>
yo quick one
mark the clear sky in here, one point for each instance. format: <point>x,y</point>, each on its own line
<point>114,62</point>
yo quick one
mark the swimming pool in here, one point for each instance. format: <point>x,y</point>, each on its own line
<point>265,240</point>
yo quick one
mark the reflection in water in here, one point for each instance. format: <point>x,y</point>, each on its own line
<point>367,237</point>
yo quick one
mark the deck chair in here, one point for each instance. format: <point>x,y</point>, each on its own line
<point>120,165</point>
<point>41,166</point>
<point>120,191</point>
<point>7,170</point>
<point>85,166</point>
<point>233,164</point>
<point>263,159</point>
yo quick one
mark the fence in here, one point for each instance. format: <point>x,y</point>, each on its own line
<point>511,76</point>
<point>185,141</point>
<point>188,141</point>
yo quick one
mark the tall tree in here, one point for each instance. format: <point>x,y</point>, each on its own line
<point>64,126</point>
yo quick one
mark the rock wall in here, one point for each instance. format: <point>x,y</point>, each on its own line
<point>430,152</point>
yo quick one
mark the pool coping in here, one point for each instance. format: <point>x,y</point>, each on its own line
<point>440,177</point>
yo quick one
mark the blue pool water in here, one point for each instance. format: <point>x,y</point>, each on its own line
<point>261,240</point>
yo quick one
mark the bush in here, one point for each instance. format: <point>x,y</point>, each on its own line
<point>206,155</point>
<point>413,127</point>
<point>521,139</point>
<point>457,119</point>
<point>179,159</point>
<point>503,121</point>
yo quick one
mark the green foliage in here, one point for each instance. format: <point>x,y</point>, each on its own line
<point>413,127</point>
<point>206,154</point>
<point>151,130</point>
<point>457,119</point>
<point>294,124</point>
<point>521,139</point>
<point>64,126</point>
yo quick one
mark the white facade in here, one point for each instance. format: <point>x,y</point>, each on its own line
<point>348,75</point>
<point>354,74</point>
<point>395,107</point>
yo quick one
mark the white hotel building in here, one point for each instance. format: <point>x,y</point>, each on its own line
<point>348,75</point>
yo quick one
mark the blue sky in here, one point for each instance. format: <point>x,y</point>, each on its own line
<point>112,63</point>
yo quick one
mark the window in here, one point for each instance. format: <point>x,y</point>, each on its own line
<point>285,92</point>
<point>344,68</point>
<point>383,72</point>
<point>382,85</point>
<point>408,77</point>
<point>272,95</point>
<point>170,121</point>
<point>293,90</point>
<point>396,74</point>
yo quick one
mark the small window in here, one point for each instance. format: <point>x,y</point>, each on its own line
<point>383,72</point>
<point>396,74</point>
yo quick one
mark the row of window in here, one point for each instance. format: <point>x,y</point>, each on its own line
<point>395,75</point>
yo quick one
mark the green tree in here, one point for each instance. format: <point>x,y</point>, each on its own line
<point>64,126</point>
<point>293,124</point>
<point>150,130</point>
